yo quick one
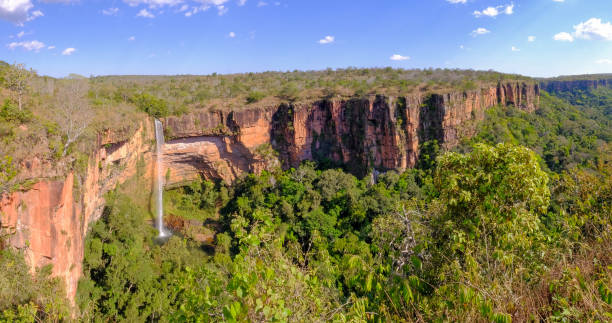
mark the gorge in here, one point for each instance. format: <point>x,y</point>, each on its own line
<point>50,220</point>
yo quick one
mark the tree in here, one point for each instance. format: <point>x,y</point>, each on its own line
<point>7,172</point>
<point>73,113</point>
<point>18,80</point>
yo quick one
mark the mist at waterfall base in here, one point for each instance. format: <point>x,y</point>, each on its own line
<point>159,183</point>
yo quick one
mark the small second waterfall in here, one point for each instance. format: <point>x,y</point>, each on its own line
<point>159,181</point>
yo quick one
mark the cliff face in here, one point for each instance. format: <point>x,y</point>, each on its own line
<point>564,86</point>
<point>377,132</point>
<point>50,219</point>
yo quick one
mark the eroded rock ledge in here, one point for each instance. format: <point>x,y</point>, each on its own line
<point>375,132</point>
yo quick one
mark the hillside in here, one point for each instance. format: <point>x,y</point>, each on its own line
<point>337,195</point>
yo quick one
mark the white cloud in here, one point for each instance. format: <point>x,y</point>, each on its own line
<point>514,49</point>
<point>20,34</point>
<point>559,0</point>
<point>68,51</point>
<point>564,37</point>
<point>188,7</point>
<point>398,57</point>
<point>222,10</point>
<point>110,11</point>
<point>132,38</point>
<point>241,2</point>
<point>262,4</point>
<point>604,61</point>
<point>495,11</point>
<point>480,31</point>
<point>153,3</point>
<point>594,28</point>
<point>51,47</point>
<point>327,40</point>
<point>531,39</point>
<point>15,11</point>
<point>33,45</point>
<point>457,1</point>
<point>232,34</point>
<point>145,14</point>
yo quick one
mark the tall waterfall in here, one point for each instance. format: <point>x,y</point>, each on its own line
<point>159,183</point>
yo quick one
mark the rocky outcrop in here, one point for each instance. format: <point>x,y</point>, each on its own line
<point>361,134</point>
<point>49,220</point>
<point>556,86</point>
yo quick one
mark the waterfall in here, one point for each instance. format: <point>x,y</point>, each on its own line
<point>159,183</point>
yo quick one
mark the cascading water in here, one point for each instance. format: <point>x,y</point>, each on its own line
<point>159,183</point>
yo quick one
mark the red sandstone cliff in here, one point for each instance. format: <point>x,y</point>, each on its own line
<point>555,86</point>
<point>50,219</point>
<point>377,132</point>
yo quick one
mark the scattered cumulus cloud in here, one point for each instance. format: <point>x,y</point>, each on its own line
<point>594,28</point>
<point>132,38</point>
<point>495,11</point>
<point>33,45</point>
<point>457,1</point>
<point>480,31</point>
<point>514,49</point>
<point>327,40</point>
<point>241,2</point>
<point>189,8</point>
<point>51,47</point>
<point>262,4</point>
<point>531,39</point>
<point>398,57</point>
<point>15,11</point>
<point>563,36</point>
<point>604,61</point>
<point>232,34</point>
<point>68,51</point>
<point>110,11</point>
<point>145,14</point>
<point>558,0</point>
<point>153,3</point>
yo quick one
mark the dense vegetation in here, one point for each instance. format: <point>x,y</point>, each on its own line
<point>487,236</point>
<point>520,230</point>
<point>564,135</point>
<point>182,93</point>
<point>29,298</point>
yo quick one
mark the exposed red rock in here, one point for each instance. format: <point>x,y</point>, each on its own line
<point>376,132</point>
<point>50,219</point>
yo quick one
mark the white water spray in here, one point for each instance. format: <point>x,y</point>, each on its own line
<point>159,183</point>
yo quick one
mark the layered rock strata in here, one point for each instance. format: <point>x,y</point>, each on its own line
<point>362,134</point>
<point>49,220</point>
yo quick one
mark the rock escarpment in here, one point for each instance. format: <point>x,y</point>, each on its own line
<point>375,132</point>
<point>49,220</point>
<point>556,86</point>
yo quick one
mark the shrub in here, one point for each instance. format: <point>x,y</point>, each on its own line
<point>152,105</point>
<point>255,96</point>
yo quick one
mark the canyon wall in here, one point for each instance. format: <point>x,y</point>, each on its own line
<point>556,86</point>
<point>50,219</point>
<point>375,132</point>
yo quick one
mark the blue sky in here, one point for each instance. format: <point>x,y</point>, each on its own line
<point>95,37</point>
